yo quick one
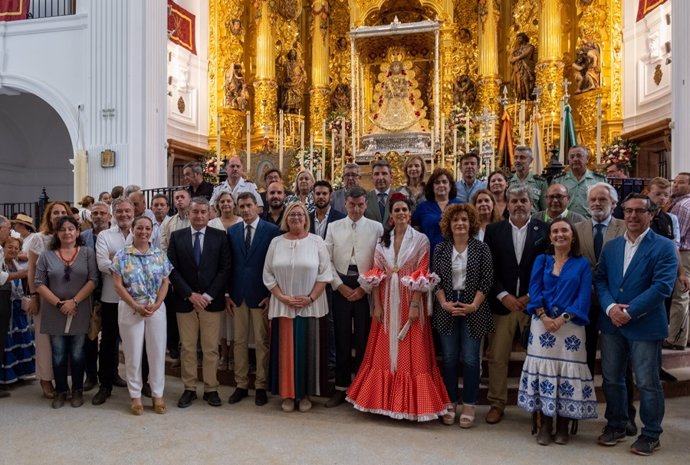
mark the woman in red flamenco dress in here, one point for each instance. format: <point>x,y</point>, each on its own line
<point>399,377</point>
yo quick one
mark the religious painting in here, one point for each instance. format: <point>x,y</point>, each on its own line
<point>108,159</point>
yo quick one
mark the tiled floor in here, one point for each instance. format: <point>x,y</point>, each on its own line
<point>33,433</point>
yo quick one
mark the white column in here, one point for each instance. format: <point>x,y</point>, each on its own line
<point>680,88</point>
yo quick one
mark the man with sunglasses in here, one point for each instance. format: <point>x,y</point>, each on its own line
<point>557,199</point>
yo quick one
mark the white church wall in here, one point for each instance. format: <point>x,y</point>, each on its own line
<point>188,83</point>
<point>647,67</point>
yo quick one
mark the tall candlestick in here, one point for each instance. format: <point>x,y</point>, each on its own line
<point>281,122</point>
<point>455,149</point>
<point>323,151</point>
<point>249,139</point>
<point>311,154</point>
<point>343,141</point>
<point>598,129</point>
<point>333,155</point>
<point>433,152</point>
<point>301,135</point>
<point>522,123</point>
<point>561,142</point>
<point>218,136</point>
<point>467,133</point>
<point>443,136</point>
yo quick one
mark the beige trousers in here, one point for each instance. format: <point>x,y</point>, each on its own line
<point>259,323</point>
<point>500,346</point>
<point>195,326</point>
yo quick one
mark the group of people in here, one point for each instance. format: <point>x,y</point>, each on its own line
<point>311,276</point>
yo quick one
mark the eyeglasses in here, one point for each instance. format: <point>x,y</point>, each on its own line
<point>556,197</point>
<point>637,211</point>
<point>295,215</point>
<point>350,175</point>
<point>68,271</point>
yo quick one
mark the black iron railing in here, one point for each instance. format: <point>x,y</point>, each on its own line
<point>51,8</point>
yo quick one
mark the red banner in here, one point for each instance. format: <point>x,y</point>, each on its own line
<point>13,10</point>
<point>646,6</point>
<point>181,27</point>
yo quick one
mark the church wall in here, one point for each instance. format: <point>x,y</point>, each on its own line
<point>103,71</point>
<point>647,74</point>
<point>189,75</point>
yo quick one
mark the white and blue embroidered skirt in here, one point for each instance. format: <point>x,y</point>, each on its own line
<point>555,378</point>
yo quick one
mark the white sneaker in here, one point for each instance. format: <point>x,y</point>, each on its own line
<point>304,405</point>
<point>288,405</point>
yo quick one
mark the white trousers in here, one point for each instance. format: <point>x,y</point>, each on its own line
<point>134,329</point>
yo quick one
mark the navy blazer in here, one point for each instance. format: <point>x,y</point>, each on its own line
<point>209,277</point>
<point>507,270</point>
<point>246,283</point>
<point>333,215</point>
<point>647,282</point>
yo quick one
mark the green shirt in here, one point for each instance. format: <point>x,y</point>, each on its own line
<point>537,189</point>
<point>578,189</point>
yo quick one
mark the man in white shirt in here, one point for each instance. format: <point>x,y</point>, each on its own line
<point>351,243</point>
<point>108,243</point>
<point>236,183</point>
<point>160,208</point>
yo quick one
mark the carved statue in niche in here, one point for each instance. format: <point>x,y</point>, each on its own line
<point>586,68</point>
<point>397,100</point>
<point>465,91</point>
<point>294,82</point>
<point>523,59</point>
<point>236,92</point>
<point>340,99</point>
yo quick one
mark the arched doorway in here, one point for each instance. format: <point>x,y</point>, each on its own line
<point>35,150</point>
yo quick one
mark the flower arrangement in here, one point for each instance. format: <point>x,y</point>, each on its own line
<point>212,166</point>
<point>621,151</point>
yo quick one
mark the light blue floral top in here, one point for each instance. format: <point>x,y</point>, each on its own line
<point>142,273</point>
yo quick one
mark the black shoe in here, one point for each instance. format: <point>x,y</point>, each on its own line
<point>186,398</point>
<point>669,346</point>
<point>631,428</point>
<point>100,397</point>
<point>4,393</point>
<point>119,382</point>
<point>261,398</point>
<point>90,383</point>
<point>213,399</point>
<point>645,446</point>
<point>335,400</point>
<point>237,396</point>
<point>146,390</point>
<point>59,400</point>
<point>174,353</point>
<point>611,437</point>
<point>77,399</point>
<point>666,376</point>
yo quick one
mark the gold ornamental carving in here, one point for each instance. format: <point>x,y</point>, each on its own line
<point>265,104</point>
<point>318,110</point>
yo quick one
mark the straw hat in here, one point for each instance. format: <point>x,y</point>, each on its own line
<point>25,220</point>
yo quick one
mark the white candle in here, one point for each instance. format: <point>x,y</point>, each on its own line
<point>323,149</point>
<point>249,138</point>
<point>467,133</point>
<point>598,129</point>
<point>218,136</point>
<point>332,155</point>
<point>443,136</point>
<point>343,141</point>
<point>455,149</point>
<point>301,136</point>
<point>561,142</point>
<point>311,153</point>
<point>282,141</point>
<point>522,123</point>
<point>433,152</point>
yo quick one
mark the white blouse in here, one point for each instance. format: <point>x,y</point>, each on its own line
<point>459,269</point>
<point>295,266</point>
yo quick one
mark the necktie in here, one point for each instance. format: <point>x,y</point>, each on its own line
<point>382,203</point>
<point>248,237</point>
<point>197,247</point>
<point>598,239</point>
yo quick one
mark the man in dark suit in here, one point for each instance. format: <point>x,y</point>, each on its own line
<point>248,299</point>
<point>377,200</point>
<point>323,214</point>
<point>201,260</point>
<point>515,244</point>
<point>635,274</point>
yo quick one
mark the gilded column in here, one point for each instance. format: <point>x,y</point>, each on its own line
<point>488,57</point>
<point>318,104</point>
<point>447,40</point>
<point>266,89</point>
<point>550,64</point>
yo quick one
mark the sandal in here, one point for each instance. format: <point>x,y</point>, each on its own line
<point>48,389</point>
<point>136,409</point>
<point>159,406</point>
<point>467,419</point>
<point>449,417</point>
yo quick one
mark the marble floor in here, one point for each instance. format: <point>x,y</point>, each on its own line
<point>33,433</point>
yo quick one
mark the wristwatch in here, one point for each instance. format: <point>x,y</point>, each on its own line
<point>566,317</point>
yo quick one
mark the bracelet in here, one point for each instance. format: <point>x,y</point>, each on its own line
<point>75,302</point>
<point>311,298</point>
<point>542,315</point>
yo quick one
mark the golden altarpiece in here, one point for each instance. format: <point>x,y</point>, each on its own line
<point>351,80</point>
